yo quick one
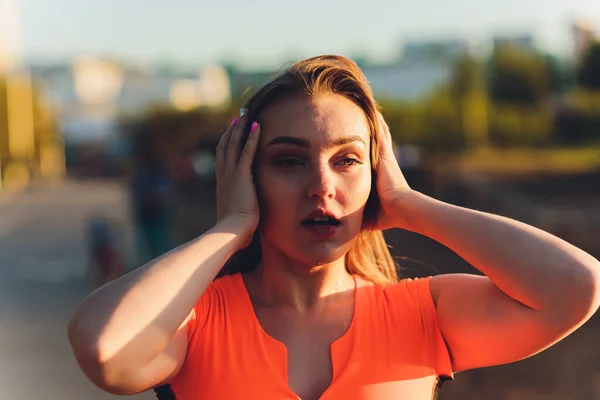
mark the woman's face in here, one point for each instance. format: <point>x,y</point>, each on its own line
<point>313,173</point>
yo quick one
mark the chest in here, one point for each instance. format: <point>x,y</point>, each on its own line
<point>307,341</point>
<point>361,353</point>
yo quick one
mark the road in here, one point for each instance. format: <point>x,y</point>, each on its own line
<point>42,279</point>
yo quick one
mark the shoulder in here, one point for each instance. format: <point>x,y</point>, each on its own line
<point>408,291</point>
<point>215,300</point>
<point>226,282</point>
<point>222,289</point>
<point>405,311</point>
<point>406,300</point>
<point>404,287</point>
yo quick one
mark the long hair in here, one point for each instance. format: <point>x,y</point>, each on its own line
<point>369,256</point>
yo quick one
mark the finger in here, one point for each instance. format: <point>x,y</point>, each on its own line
<point>233,147</point>
<point>384,128</point>
<point>386,142</point>
<point>222,148</point>
<point>386,146</point>
<point>249,150</point>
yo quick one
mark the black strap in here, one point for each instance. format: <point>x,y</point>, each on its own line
<point>165,392</point>
<point>438,386</point>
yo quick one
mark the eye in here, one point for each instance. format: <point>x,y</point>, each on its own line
<point>348,162</point>
<point>288,162</point>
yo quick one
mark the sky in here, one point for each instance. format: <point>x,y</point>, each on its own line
<point>259,33</point>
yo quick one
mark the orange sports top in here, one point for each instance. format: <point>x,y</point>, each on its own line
<point>393,348</point>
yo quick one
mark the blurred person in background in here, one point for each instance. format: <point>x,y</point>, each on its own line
<point>106,261</point>
<point>294,294</point>
<point>152,203</point>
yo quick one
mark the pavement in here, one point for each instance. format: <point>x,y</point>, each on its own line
<point>42,279</point>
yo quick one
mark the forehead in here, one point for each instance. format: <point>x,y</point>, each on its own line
<point>319,120</point>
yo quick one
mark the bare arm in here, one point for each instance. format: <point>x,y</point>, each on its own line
<point>123,327</point>
<point>538,288</point>
<point>131,334</point>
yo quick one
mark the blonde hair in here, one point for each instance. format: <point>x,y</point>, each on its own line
<point>369,256</point>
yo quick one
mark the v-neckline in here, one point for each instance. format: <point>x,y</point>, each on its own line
<point>334,369</point>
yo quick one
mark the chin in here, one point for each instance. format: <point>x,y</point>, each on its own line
<point>308,251</point>
<point>322,254</point>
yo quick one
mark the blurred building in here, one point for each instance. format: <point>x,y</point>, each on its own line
<point>583,36</point>
<point>30,147</point>
<point>433,50</point>
<point>91,94</point>
<point>407,81</point>
<point>9,35</point>
<point>524,42</point>
<point>424,65</point>
<point>248,81</point>
<point>100,89</point>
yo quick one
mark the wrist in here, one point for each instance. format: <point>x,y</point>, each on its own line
<point>240,227</point>
<point>406,206</point>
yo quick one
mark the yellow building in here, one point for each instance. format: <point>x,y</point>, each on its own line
<point>30,146</point>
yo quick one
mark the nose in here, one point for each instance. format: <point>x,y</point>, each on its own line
<point>322,183</point>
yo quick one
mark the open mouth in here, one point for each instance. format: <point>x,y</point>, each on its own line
<point>321,221</point>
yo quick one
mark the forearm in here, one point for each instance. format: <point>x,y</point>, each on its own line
<point>135,316</point>
<point>530,265</point>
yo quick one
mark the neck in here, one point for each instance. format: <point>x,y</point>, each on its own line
<point>279,281</point>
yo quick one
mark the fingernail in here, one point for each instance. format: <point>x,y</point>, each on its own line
<point>254,127</point>
<point>234,122</point>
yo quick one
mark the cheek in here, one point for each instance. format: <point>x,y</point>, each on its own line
<point>357,190</point>
<point>276,193</point>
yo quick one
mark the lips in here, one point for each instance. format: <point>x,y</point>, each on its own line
<point>321,215</point>
<point>322,231</point>
<point>321,223</point>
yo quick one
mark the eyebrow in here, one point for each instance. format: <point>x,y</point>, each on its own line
<point>295,141</point>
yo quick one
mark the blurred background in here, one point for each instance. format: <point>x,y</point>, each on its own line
<point>110,112</point>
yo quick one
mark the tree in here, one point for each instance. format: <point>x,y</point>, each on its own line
<point>466,76</point>
<point>588,74</point>
<point>467,86</point>
<point>557,75</point>
<point>518,76</point>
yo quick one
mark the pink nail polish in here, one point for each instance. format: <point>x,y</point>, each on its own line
<point>234,122</point>
<point>254,126</point>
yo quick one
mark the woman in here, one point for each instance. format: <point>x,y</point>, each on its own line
<point>312,308</point>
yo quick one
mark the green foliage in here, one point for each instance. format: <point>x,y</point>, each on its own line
<point>518,76</point>
<point>511,126</point>
<point>558,75</point>
<point>502,104</point>
<point>442,123</point>
<point>588,73</point>
<point>433,124</point>
<point>167,135</point>
<point>466,77</point>
<point>578,126</point>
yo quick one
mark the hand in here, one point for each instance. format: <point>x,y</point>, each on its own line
<point>236,193</point>
<point>391,184</point>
